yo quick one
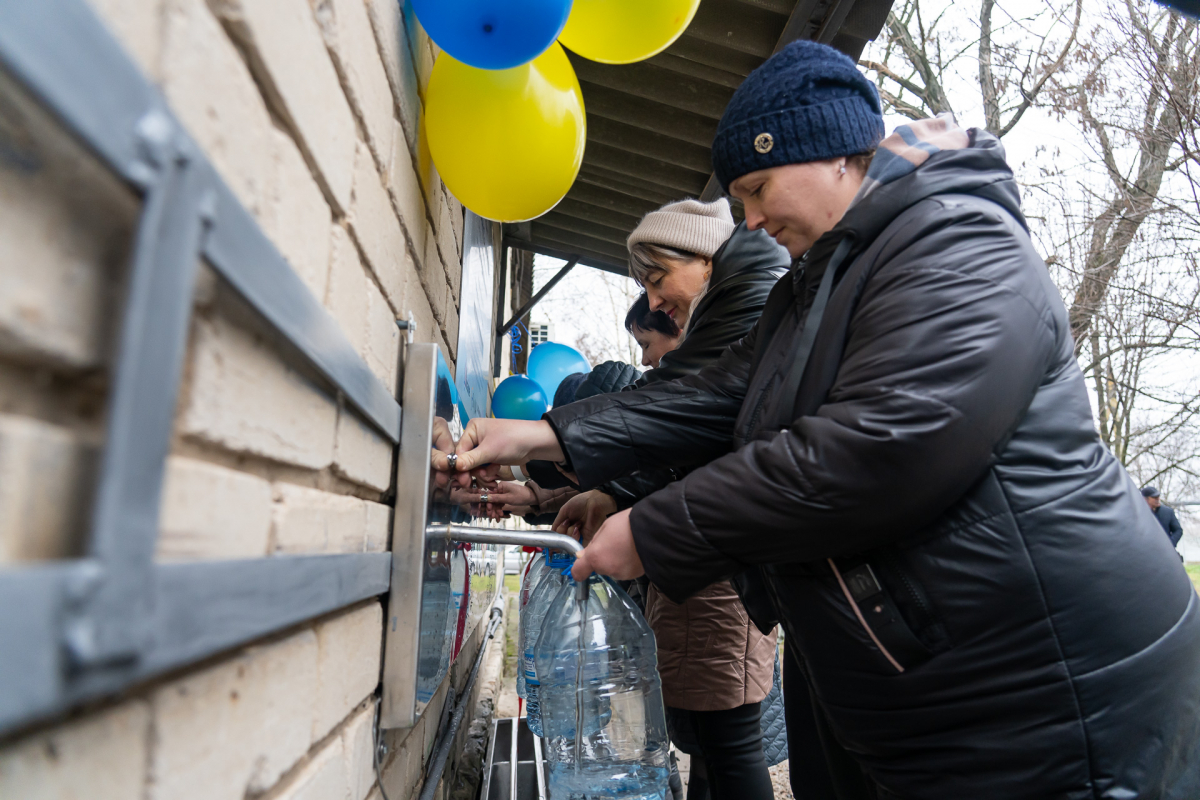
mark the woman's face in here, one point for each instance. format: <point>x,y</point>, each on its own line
<point>797,203</point>
<point>654,345</point>
<point>674,285</point>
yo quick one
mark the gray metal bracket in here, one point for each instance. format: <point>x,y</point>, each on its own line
<point>114,602</point>
<point>77,630</point>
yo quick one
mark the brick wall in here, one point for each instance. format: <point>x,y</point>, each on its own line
<point>310,111</point>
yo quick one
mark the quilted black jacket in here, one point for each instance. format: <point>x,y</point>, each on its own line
<point>982,601</point>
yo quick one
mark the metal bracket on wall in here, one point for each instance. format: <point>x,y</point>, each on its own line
<point>537,298</point>
<point>110,623</point>
<point>74,630</point>
<point>505,327</point>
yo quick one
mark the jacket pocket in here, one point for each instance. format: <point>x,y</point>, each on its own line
<point>911,599</point>
<point>874,603</point>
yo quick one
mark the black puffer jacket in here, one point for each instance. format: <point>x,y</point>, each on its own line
<point>608,376</point>
<point>931,486</point>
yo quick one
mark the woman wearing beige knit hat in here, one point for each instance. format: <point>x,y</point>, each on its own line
<point>671,254</point>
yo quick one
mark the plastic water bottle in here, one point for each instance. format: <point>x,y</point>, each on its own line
<point>604,727</point>
<point>537,570</point>
<point>535,613</point>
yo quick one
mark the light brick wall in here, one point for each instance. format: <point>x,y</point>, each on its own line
<point>309,110</point>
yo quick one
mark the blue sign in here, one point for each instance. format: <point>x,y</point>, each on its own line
<point>475,317</point>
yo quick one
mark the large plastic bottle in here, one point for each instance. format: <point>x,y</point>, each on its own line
<point>619,752</point>
<point>533,575</point>
<point>535,612</point>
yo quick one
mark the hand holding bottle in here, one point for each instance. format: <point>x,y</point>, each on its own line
<point>612,552</point>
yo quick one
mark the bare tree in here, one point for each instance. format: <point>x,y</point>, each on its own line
<point>1123,227</point>
<point>916,56</point>
<point>1135,128</point>
<point>1015,61</point>
<point>1148,406</point>
<point>588,311</point>
<point>1112,198</point>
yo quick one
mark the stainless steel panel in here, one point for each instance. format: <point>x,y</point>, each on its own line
<point>402,634</point>
<point>440,588</point>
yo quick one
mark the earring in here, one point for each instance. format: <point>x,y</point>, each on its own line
<point>843,168</point>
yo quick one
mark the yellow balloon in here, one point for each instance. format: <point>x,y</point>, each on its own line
<point>625,31</point>
<point>508,143</point>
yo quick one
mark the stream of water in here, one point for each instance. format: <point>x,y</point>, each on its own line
<point>579,689</point>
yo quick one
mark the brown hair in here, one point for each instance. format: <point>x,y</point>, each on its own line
<point>641,317</point>
<point>645,258</point>
<point>861,161</point>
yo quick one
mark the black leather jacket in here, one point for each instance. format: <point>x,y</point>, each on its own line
<point>969,578</point>
<point>745,269</point>
<point>743,272</point>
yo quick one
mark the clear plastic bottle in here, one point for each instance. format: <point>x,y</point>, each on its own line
<point>602,711</point>
<point>535,613</point>
<point>537,570</point>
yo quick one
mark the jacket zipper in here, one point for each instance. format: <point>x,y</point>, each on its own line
<point>912,592</point>
<point>762,396</point>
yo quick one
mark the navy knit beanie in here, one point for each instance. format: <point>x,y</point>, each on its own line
<point>808,102</point>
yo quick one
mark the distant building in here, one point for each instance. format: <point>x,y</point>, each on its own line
<point>539,332</point>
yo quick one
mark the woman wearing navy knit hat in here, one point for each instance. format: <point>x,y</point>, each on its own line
<point>902,455</point>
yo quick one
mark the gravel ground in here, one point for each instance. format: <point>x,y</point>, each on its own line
<point>779,777</point>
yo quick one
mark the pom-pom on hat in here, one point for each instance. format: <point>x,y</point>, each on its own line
<point>808,102</point>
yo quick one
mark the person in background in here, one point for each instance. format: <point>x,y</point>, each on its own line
<point>1164,514</point>
<point>654,331</point>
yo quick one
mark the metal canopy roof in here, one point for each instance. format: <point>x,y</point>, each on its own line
<point>651,124</point>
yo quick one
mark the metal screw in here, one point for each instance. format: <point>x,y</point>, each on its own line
<point>409,326</point>
<point>83,581</point>
<point>80,638</point>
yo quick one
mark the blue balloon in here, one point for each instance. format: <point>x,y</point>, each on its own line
<point>493,34</point>
<point>517,397</point>
<point>550,362</point>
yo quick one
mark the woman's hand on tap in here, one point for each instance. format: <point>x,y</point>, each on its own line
<point>488,444</point>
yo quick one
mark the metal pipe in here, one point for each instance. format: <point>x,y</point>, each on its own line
<point>442,754</point>
<point>469,533</point>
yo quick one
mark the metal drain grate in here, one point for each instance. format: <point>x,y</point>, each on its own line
<point>515,769</point>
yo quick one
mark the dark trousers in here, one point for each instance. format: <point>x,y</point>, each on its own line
<point>727,753</point>
<point>820,768</point>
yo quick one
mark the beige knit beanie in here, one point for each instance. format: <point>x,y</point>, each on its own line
<point>690,225</point>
